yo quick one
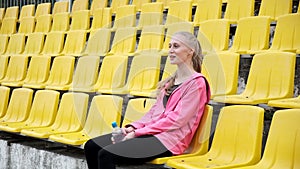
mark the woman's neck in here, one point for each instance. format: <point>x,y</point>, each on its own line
<point>183,73</point>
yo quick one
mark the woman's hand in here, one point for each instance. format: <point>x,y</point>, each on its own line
<point>129,135</point>
<point>129,129</point>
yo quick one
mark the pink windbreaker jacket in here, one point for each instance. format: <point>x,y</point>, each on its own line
<point>176,124</point>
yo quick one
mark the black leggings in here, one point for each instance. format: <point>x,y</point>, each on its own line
<point>102,154</point>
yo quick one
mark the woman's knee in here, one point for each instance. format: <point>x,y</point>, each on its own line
<point>90,145</point>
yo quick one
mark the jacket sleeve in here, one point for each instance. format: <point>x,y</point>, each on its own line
<point>188,105</point>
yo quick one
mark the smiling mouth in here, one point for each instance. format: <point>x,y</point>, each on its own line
<point>172,56</point>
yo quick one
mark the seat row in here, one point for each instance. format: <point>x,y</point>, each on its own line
<point>69,122</point>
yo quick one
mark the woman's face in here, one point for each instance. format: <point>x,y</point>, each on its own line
<point>179,53</point>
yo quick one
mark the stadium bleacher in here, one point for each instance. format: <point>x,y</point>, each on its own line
<point>78,56</point>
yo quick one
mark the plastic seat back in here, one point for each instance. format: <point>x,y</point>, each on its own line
<point>34,44</point>
<point>112,74</point>
<point>286,37</point>
<point>27,11</point>
<point>3,66</point>
<point>213,35</point>
<point>43,109</point>
<point>276,8</point>
<point>38,70</point>
<point>166,3</point>
<point>239,9</point>
<point>176,14</point>
<point>61,73</point>
<point>12,12</point>
<point>139,3</point>
<point>252,34</point>
<point>136,109</point>
<point>115,4</point>
<point>169,69</point>
<point>61,22</point>
<point>207,10</point>
<point>8,26</point>
<point>4,92</point>
<point>124,41</point>
<point>2,13</point>
<point>16,44</point>
<point>85,74</point>
<point>151,39</point>
<point>75,43</point>
<point>125,17</point>
<point>18,106</point>
<point>104,110</point>
<point>102,18</point>
<point>79,5</point>
<point>71,113</point>
<point>60,7</point>
<point>43,23</point>
<point>95,47</point>
<point>151,14</point>
<point>98,4</point>
<point>54,43</point>
<point>283,142</point>
<point>3,44</point>
<point>42,9</point>
<point>80,20</point>
<point>16,71</point>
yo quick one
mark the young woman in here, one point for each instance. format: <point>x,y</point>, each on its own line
<point>168,128</point>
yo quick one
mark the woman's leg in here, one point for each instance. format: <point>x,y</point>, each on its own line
<point>133,151</point>
<point>93,146</point>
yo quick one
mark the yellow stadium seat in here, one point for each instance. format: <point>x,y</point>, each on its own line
<point>282,145</point>
<point>4,92</point>
<point>252,35</point>
<point>169,69</point>
<point>298,8</point>
<point>237,140</point>
<point>200,142</point>
<point>292,103</point>
<point>166,3</point>
<point>207,10</point>
<point>136,109</point>
<point>61,22</point>
<point>143,76</point>
<point>286,37</point>
<point>213,35</point>
<point>15,45</point>
<point>221,71</point>
<point>27,11</point>
<point>176,14</point>
<point>275,8</point>
<point>3,66</point>
<point>104,110</point>
<point>125,17</point>
<point>16,71</point>
<point>124,41</point>
<point>4,42</point>
<point>43,9</point>
<point>94,46</point>
<point>80,20</point>
<point>115,4</point>
<point>102,18</point>
<point>27,25</point>
<point>79,5</point>
<point>98,4</point>
<point>151,39</point>
<point>70,117</point>
<point>8,26</point>
<point>60,7</point>
<point>274,80</point>
<point>74,43</point>
<point>173,28</point>
<point>112,74</point>
<point>38,72</point>
<point>61,73</point>
<point>34,44</point>
<point>151,14</point>
<point>18,106</point>
<point>12,12</point>
<point>54,43</point>
<point>85,75</point>
<point>43,23</point>
<point>139,3</point>
<point>41,114</point>
<point>236,10</point>
<point>2,13</point>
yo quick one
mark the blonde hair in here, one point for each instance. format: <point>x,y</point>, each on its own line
<point>192,42</point>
